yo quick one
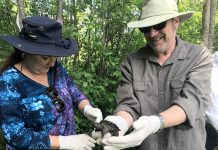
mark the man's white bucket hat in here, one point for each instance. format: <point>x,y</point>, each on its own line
<point>157,11</point>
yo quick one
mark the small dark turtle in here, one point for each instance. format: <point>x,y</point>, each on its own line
<point>107,127</point>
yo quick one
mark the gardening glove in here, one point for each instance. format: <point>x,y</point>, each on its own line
<point>119,121</point>
<point>76,142</point>
<point>93,114</point>
<point>97,135</point>
<point>143,127</point>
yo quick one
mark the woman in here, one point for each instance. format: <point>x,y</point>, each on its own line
<point>37,97</point>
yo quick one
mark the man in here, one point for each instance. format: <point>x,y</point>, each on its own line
<point>164,88</point>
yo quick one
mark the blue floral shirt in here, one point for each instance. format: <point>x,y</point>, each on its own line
<point>27,115</point>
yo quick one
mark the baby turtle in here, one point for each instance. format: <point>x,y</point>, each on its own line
<point>107,127</point>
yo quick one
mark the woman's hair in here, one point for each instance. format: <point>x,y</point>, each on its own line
<point>12,59</point>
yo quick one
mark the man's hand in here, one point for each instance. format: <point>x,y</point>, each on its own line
<point>119,121</point>
<point>143,127</point>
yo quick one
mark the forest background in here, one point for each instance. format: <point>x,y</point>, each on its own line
<point>100,27</point>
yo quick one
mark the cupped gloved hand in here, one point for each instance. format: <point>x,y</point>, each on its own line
<point>97,135</point>
<point>143,127</point>
<point>119,121</point>
<point>77,142</point>
<point>93,114</point>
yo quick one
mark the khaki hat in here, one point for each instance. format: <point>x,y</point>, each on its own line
<point>157,11</point>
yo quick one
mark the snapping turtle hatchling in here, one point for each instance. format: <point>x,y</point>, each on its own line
<point>107,127</point>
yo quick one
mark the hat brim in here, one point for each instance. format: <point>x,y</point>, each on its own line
<point>153,20</point>
<point>38,48</point>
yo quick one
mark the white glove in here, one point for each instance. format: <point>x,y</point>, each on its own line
<point>77,142</point>
<point>143,127</point>
<point>97,135</point>
<point>93,114</point>
<point>119,121</point>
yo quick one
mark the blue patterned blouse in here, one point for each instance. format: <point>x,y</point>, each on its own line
<point>27,115</point>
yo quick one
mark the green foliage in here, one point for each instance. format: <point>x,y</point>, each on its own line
<point>216,35</point>
<point>7,25</point>
<point>190,30</point>
<point>100,27</point>
<point>2,143</point>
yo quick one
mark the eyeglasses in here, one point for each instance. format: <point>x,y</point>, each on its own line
<point>57,102</point>
<point>159,26</point>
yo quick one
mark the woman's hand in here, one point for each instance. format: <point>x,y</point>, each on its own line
<point>77,142</point>
<point>93,114</point>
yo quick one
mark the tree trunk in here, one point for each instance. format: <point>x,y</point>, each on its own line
<point>21,13</point>
<point>208,23</point>
<point>205,22</point>
<point>75,22</point>
<point>59,10</point>
<point>213,5</point>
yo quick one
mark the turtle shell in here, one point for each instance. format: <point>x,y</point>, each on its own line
<point>107,127</point>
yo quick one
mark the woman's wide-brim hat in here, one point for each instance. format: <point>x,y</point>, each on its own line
<point>42,36</point>
<point>157,11</point>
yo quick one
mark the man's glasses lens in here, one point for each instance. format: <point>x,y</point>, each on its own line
<point>57,102</point>
<point>159,26</point>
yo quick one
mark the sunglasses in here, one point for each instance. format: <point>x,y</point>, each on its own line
<point>57,102</point>
<point>159,26</point>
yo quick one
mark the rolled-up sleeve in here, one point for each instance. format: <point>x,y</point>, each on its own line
<point>126,100</point>
<point>194,97</point>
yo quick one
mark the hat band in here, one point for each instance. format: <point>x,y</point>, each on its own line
<point>65,43</point>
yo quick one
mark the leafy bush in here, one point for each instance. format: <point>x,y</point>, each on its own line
<point>2,142</point>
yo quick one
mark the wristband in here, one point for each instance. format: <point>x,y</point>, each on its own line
<point>162,122</point>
